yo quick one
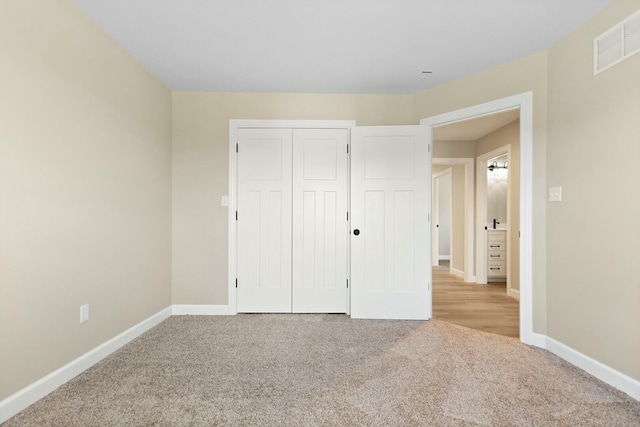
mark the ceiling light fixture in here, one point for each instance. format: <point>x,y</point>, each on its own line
<point>494,165</point>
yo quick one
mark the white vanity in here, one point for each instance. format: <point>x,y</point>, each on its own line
<point>496,255</point>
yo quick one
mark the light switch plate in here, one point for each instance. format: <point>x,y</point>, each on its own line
<point>224,201</point>
<point>555,194</point>
<point>84,313</point>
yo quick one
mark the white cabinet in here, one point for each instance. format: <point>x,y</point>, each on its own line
<point>496,255</point>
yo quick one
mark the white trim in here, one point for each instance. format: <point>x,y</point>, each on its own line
<point>456,272</point>
<point>524,102</point>
<point>599,370</point>
<point>199,310</point>
<point>513,293</point>
<point>234,125</point>
<point>469,210</point>
<point>442,173</point>
<point>444,257</point>
<point>20,400</point>
<point>538,340</point>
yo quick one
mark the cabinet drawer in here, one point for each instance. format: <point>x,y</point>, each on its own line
<point>496,236</point>
<point>496,255</point>
<point>496,246</point>
<point>497,269</point>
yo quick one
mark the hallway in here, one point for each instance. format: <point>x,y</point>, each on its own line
<point>483,307</point>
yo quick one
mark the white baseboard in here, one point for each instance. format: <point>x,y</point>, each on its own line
<point>537,340</point>
<point>444,257</point>
<point>200,310</point>
<point>513,294</point>
<point>456,272</point>
<point>599,370</point>
<point>20,400</point>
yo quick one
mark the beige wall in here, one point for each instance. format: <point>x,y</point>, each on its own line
<point>509,135</point>
<point>527,74</point>
<point>201,170</point>
<point>85,190</point>
<point>454,149</point>
<point>593,235</point>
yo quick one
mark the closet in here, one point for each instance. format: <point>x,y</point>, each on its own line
<point>329,218</point>
<point>292,211</point>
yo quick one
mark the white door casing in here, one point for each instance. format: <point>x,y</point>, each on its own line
<point>524,102</point>
<point>320,226</point>
<point>264,220</point>
<point>390,203</point>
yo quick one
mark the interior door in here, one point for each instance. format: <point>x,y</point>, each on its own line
<point>264,220</point>
<point>390,239</point>
<point>320,226</point>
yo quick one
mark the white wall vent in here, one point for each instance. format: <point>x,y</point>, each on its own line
<point>617,44</point>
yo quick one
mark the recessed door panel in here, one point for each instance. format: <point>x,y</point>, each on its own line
<point>320,230</point>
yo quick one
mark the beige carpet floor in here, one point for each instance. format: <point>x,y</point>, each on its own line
<point>307,370</point>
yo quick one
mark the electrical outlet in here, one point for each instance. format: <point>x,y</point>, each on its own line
<point>84,313</point>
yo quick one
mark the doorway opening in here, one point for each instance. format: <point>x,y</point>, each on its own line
<point>516,108</point>
<point>441,226</point>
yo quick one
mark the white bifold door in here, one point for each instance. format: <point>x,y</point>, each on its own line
<point>292,220</point>
<point>293,230</point>
<point>264,220</point>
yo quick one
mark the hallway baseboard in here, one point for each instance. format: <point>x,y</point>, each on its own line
<point>456,272</point>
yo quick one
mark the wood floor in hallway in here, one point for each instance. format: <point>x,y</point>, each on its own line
<point>483,307</point>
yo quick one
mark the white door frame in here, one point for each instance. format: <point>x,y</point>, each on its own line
<point>524,102</point>
<point>435,231</point>
<point>469,210</point>
<point>234,125</point>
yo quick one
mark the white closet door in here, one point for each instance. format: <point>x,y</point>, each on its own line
<point>264,220</point>
<point>390,198</point>
<point>320,226</point>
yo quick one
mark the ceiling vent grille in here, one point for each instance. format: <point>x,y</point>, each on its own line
<point>617,44</point>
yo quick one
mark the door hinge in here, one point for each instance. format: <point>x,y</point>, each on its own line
<point>236,147</point>
<point>428,217</point>
<point>347,283</point>
<point>236,282</point>
<point>429,148</point>
<point>236,215</point>
<point>347,148</point>
<point>347,215</point>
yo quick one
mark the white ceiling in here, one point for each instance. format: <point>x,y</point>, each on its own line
<point>474,129</point>
<point>331,46</point>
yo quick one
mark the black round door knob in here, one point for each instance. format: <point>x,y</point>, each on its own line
<point>356,231</point>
